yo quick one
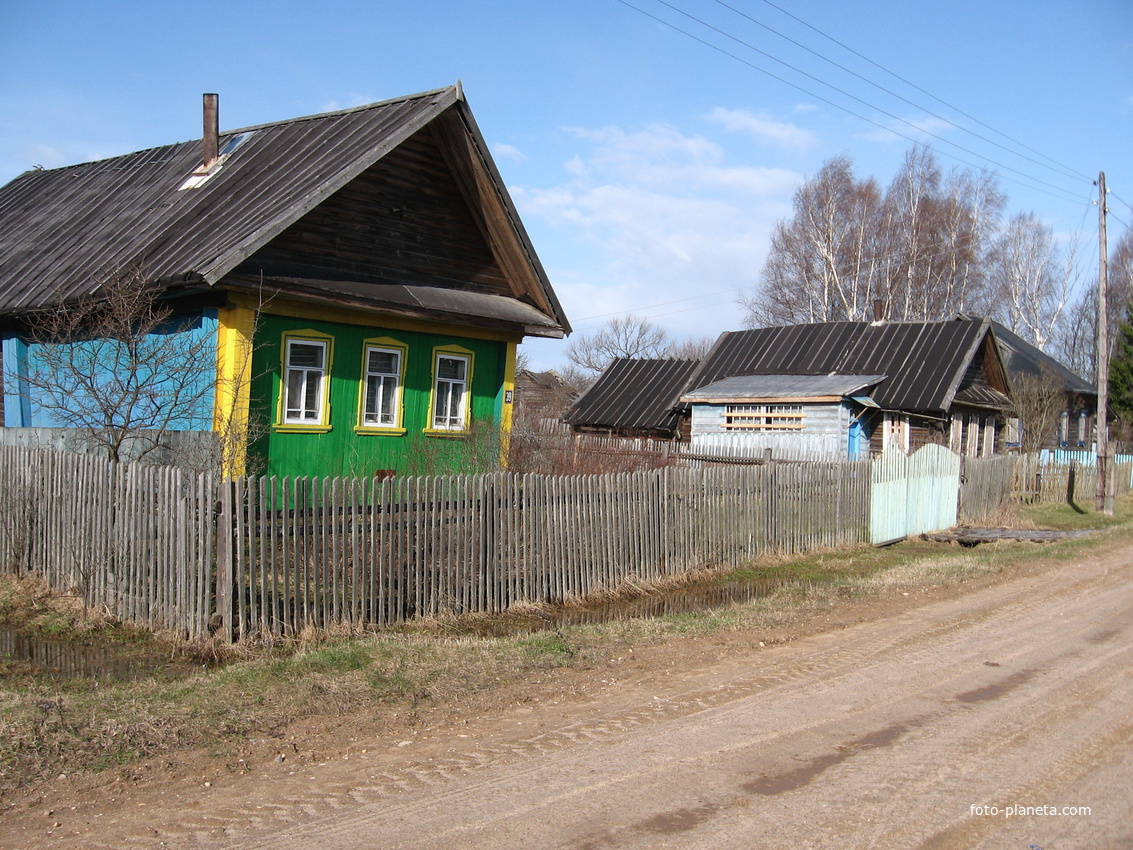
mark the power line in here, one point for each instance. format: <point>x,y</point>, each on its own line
<point>924,91</point>
<point>1060,169</point>
<point>852,96</point>
<point>1058,191</point>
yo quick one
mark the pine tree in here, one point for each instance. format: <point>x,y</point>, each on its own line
<point>1121,371</point>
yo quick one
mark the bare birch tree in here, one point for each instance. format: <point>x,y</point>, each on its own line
<point>918,249</point>
<point>120,369</point>
<point>821,264</point>
<point>1031,278</point>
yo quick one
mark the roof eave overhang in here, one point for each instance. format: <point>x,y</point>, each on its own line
<point>823,399</point>
<point>264,295</point>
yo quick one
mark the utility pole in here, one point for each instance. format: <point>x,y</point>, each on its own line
<point>1104,500</point>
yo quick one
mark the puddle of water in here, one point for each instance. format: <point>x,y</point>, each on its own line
<point>30,655</point>
<point>695,598</point>
<point>998,689</point>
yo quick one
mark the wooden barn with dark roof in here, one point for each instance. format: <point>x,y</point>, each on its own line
<point>845,387</point>
<point>364,273</point>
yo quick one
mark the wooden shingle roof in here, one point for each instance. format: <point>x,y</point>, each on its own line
<point>634,395</point>
<point>62,230</point>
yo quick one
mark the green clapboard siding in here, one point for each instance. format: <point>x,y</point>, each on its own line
<point>341,450</point>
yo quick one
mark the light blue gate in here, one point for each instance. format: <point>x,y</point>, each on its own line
<point>914,494</point>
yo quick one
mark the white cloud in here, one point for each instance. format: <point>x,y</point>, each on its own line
<point>349,102</point>
<point>763,128</point>
<point>657,223</point>
<point>50,157</point>
<point>511,153</point>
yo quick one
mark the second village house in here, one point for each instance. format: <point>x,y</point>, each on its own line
<point>834,388</point>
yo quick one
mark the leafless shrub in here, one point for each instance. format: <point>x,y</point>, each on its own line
<point>121,369</point>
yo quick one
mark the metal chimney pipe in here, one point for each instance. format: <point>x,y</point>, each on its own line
<point>212,128</point>
<point>878,310</point>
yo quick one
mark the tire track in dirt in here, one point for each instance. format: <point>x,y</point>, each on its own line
<point>815,669</point>
<point>934,650</point>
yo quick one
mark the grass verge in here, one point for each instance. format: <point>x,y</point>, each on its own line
<point>50,727</point>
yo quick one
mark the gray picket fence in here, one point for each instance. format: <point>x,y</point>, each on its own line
<point>194,555</point>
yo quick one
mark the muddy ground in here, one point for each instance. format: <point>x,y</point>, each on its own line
<point>900,721</point>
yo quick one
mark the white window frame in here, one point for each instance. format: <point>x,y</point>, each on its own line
<point>764,417</point>
<point>454,417</point>
<point>302,413</point>
<point>389,389</point>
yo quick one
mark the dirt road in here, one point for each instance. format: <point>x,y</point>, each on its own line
<point>1000,718</point>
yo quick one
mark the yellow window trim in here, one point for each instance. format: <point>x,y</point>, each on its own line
<point>398,428</point>
<point>323,425</point>
<point>457,351</point>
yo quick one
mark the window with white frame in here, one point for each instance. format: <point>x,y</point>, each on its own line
<point>383,375</point>
<point>764,417</point>
<point>450,392</point>
<point>304,395</point>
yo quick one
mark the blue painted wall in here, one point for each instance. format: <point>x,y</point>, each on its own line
<point>22,408</point>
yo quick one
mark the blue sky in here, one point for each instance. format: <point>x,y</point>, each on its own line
<point>649,165</point>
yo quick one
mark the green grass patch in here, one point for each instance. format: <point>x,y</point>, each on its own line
<point>1081,515</point>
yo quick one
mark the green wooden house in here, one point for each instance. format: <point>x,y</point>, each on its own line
<point>364,272</point>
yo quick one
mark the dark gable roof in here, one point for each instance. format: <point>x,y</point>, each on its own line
<point>634,395</point>
<point>1022,358</point>
<point>925,362</point>
<point>63,229</point>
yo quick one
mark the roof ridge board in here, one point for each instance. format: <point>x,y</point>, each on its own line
<point>90,163</point>
<point>454,89</point>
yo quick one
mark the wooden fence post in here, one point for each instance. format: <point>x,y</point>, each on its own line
<point>225,522</point>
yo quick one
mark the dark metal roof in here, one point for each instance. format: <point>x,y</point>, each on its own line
<point>63,229</point>
<point>1022,358</point>
<point>783,386</point>
<point>926,362</point>
<point>634,395</point>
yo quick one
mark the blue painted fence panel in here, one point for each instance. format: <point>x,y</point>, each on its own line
<point>914,494</point>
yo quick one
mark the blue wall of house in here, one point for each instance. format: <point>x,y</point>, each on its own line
<point>825,431</point>
<point>26,407</point>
